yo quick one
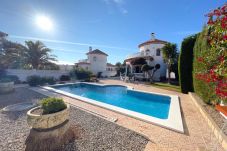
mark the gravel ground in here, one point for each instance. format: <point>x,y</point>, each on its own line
<point>216,116</point>
<point>18,96</point>
<point>93,133</point>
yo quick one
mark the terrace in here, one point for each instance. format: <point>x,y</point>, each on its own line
<point>130,133</point>
<point>160,98</point>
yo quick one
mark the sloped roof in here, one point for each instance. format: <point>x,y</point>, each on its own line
<point>111,65</point>
<point>97,51</point>
<point>152,41</point>
<point>2,34</point>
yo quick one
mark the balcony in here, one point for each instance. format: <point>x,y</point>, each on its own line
<point>139,55</point>
<point>83,60</point>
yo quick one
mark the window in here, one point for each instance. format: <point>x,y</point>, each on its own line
<point>158,52</point>
<point>94,58</point>
<point>147,52</point>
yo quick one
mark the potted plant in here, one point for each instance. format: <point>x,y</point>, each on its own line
<point>52,113</point>
<point>6,85</point>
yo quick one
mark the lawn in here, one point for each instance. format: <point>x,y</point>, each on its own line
<point>166,86</point>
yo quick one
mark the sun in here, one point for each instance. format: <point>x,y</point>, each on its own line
<point>44,23</point>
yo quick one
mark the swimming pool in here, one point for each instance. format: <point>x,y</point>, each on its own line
<point>151,107</point>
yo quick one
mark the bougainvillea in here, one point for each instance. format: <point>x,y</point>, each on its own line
<point>215,59</point>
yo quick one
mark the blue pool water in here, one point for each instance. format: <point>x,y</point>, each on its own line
<point>145,103</point>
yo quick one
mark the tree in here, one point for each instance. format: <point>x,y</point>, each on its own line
<point>185,64</point>
<point>119,68</point>
<point>11,54</point>
<point>155,68</point>
<point>37,55</point>
<point>146,68</point>
<point>169,52</point>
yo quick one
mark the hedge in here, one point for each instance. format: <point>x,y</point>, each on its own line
<point>203,89</point>
<point>185,64</point>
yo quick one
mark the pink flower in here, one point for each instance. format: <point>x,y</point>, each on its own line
<point>225,37</point>
<point>210,22</point>
<point>217,12</point>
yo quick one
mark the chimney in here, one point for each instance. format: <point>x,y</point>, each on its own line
<point>90,49</point>
<point>152,36</point>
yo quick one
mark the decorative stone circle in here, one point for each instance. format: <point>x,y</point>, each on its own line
<point>18,107</point>
<point>48,120</point>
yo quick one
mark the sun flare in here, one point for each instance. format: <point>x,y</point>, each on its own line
<point>44,23</point>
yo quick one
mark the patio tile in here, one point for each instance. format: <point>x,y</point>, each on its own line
<point>197,131</point>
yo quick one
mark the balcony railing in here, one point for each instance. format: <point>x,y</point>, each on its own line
<point>138,55</point>
<point>83,60</point>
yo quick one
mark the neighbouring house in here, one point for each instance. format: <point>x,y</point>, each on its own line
<point>96,62</point>
<point>2,39</point>
<point>151,51</point>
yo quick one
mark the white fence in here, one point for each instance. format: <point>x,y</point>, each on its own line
<point>23,74</point>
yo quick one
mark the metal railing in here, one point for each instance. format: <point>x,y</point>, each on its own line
<point>83,60</point>
<point>138,54</point>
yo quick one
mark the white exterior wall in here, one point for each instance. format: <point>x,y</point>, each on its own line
<point>98,65</point>
<point>157,59</point>
<point>85,66</point>
<point>23,74</point>
<point>111,72</point>
<point>66,67</point>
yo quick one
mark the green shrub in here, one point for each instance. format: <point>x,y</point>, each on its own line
<point>80,74</point>
<point>185,64</point>
<point>37,80</point>
<point>13,78</point>
<point>10,78</point>
<point>48,80</point>
<point>203,89</point>
<point>2,72</point>
<point>5,80</point>
<point>34,80</point>
<point>52,105</point>
<point>64,78</point>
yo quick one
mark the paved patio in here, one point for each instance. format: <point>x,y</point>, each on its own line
<point>197,132</point>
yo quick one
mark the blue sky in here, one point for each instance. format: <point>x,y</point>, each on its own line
<point>113,26</point>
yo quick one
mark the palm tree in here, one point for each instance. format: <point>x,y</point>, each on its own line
<point>11,54</point>
<point>169,52</point>
<point>37,55</point>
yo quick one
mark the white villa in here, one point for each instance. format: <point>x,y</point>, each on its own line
<point>96,62</point>
<point>151,51</point>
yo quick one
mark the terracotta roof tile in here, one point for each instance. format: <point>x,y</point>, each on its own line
<point>153,41</point>
<point>109,64</point>
<point>97,51</point>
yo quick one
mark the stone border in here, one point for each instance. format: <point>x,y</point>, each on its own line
<point>173,122</point>
<point>221,137</point>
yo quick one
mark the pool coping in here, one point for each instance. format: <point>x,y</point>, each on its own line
<point>173,122</point>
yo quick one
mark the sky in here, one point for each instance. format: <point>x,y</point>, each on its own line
<point>116,27</point>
